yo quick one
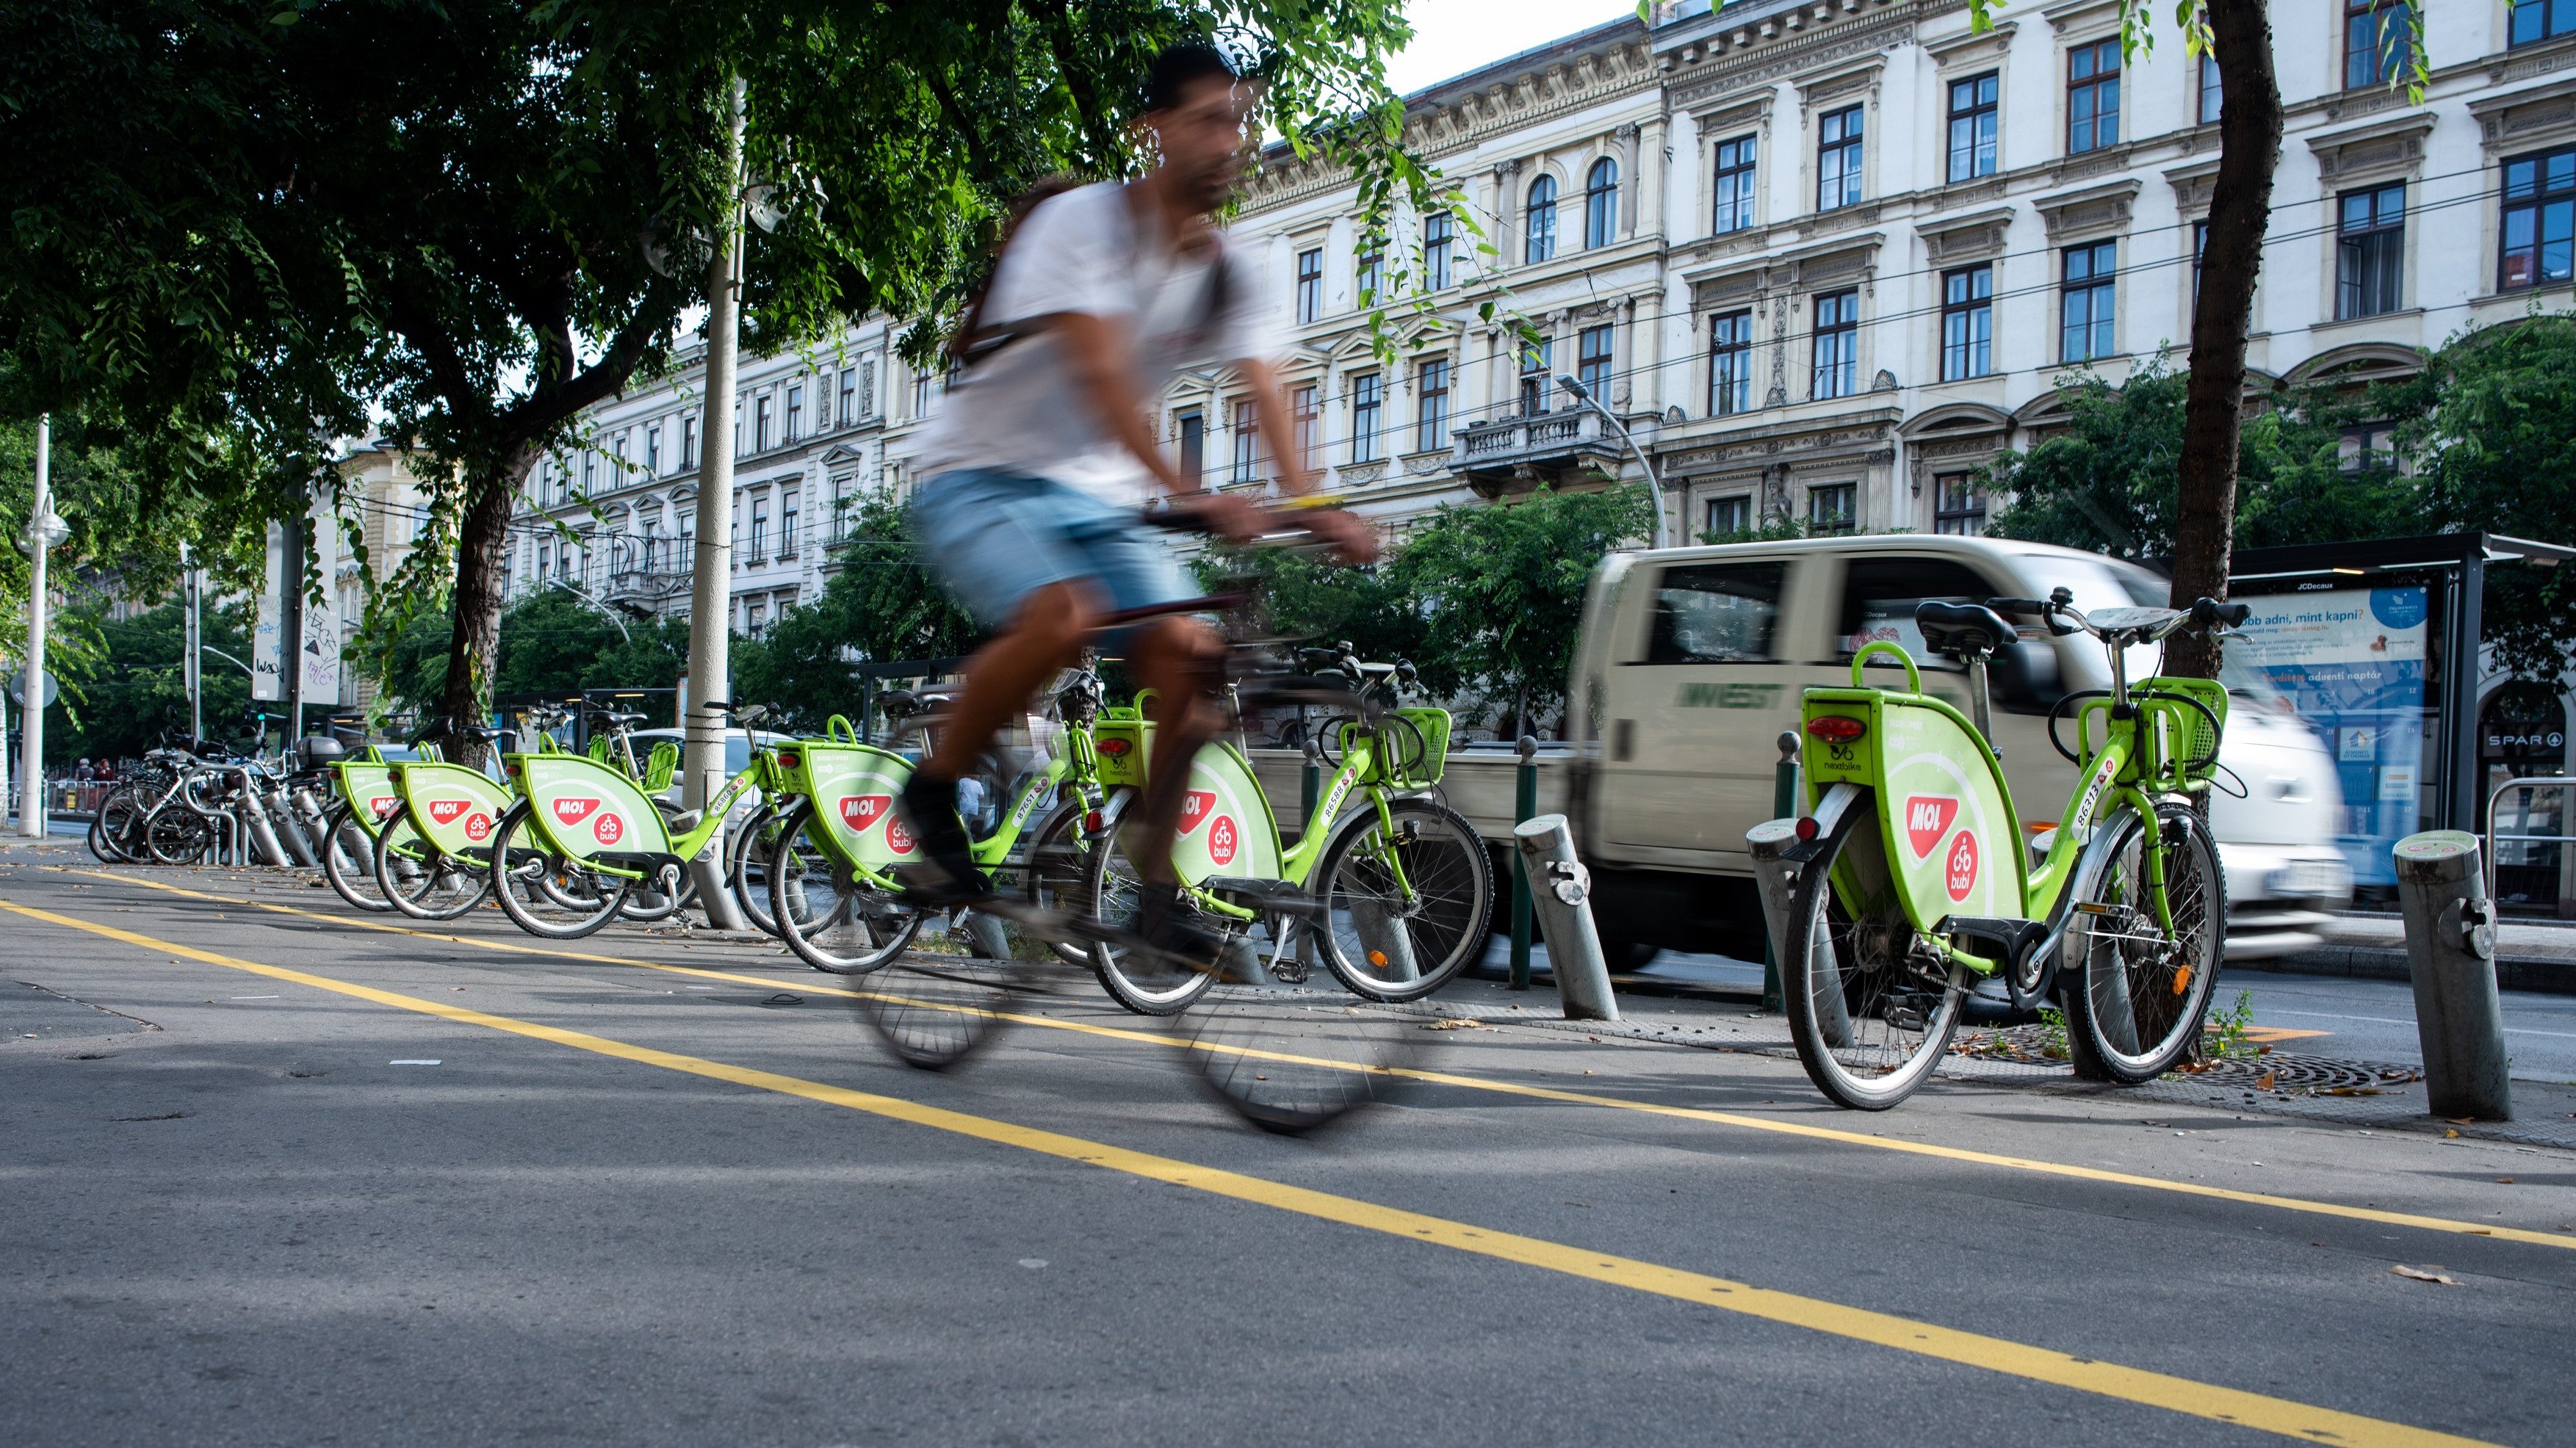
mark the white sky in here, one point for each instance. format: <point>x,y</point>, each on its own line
<point>1452,37</point>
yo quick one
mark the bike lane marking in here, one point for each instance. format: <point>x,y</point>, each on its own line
<point>2035,1165</point>
<point>2188,1396</point>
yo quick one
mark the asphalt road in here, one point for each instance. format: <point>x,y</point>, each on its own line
<point>643,1205</point>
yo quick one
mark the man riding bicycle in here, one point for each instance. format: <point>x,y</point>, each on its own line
<point>1041,462</point>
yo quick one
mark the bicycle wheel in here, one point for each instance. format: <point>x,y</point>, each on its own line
<point>748,855</point>
<point>177,835</point>
<point>348,860</point>
<point>1056,876</point>
<point>1148,984</point>
<point>422,882</point>
<point>675,889</point>
<point>1407,908</point>
<point>1292,1059</point>
<point>545,894</point>
<point>2135,993</point>
<point>1872,1001</point>
<point>831,918</point>
<point>115,832</point>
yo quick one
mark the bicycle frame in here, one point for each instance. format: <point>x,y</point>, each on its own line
<point>588,810</point>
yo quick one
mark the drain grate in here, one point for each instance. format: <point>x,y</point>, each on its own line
<point>2276,1072</point>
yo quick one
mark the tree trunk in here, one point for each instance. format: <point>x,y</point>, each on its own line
<point>483,540</point>
<point>2240,206</point>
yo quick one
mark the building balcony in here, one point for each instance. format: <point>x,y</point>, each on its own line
<point>1515,454</point>
<point>645,586</point>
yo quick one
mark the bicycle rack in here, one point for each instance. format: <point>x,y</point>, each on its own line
<point>2537,781</point>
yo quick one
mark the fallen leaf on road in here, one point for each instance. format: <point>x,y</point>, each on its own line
<point>2264,1081</point>
<point>2448,1134</point>
<point>2426,1274</point>
<point>2350,1091</point>
<point>1457,1023</point>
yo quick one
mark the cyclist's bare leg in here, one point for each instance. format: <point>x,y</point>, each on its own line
<point>1051,631</point>
<point>1180,661</point>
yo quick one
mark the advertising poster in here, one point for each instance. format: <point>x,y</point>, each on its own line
<point>268,630</point>
<point>2352,660</point>
<point>321,616</point>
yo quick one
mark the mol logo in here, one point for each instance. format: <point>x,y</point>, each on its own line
<point>1959,872</point>
<point>1196,807</point>
<point>610,828</point>
<point>862,810</point>
<point>573,811</point>
<point>446,811</point>
<point>382,805</point>
<point>1927,819</point>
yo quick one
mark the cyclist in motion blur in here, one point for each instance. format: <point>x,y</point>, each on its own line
<point>1039,466</point>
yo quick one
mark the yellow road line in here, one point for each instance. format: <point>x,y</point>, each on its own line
<point>1774,1125</point>
<point>2001,1355</point>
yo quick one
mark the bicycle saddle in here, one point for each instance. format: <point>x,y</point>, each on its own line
<point>2131,620</point>
<point>1953,629</point>
<point>620,718</point>
<point>900,703</point>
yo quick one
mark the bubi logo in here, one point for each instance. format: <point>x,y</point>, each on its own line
<point>478,827</point>
<point>610,829</point>
<point>898,839</point>
<point>859,811</point>
<point>445,811</point>
<point>1224,837</point>
<point>1960,872</point>
<point>1196,806</point>
<point>1927,819</point>
<point>381,805</point>
<point>573,811</point>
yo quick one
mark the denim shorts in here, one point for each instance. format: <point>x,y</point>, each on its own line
<point>996,537</point>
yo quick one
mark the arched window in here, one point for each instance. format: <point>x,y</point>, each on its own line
<point>1600,203</point>
<point>1542,220</point>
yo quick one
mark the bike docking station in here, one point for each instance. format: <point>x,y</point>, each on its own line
<point>2450,952</point>
<point>1561,888</point>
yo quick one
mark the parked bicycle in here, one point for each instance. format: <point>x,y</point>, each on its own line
<point>1914,882</point>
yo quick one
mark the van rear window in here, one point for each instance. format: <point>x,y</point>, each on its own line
<point>1716,613</point>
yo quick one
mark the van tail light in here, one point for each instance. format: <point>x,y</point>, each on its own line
<point>1836,728</point>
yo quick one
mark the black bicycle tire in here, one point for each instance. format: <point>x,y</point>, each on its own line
<point>1809,904</point>
<point>2102,1058</point>
<point>497,876</point>
<point>1472,939</point>
<point>1104,963</point>
<point>738,846</point>
<point>793,935</point>
<point>401,904</point>
<point>339,818</point>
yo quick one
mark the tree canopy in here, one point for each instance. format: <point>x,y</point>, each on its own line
<point>475,218</point>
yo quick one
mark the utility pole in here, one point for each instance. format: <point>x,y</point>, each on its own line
<point>711,582</point>
<point>42,528</point>
<point>291,625</point>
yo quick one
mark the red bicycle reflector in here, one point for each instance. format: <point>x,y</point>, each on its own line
<point>1807,827</point>
<point>1836,728</point>
<point>1091,822</point>
<point>787,758</point>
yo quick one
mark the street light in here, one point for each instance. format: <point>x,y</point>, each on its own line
<point>1654,489</point>
<point>603,610</point>
<point>45,531</point>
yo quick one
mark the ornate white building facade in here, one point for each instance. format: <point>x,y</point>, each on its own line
<point>1822,258</point>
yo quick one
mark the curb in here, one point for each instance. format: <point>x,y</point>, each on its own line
<point>2540,974</point>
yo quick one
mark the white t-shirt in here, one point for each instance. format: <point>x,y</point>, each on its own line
<point>1018,408</point>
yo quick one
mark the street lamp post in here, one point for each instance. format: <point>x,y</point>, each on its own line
<point>1654,488</point>
<point>45,531</point>
<point>603,610</point>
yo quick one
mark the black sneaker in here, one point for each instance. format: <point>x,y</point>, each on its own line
<point>945,875</point>
<point>1172,926</point>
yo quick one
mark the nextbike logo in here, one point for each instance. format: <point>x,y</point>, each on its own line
<point>1960,872</point>
<point>860,811</point>
<point>1927,819</point>
<point>573,811</point>
<point>446,811</point>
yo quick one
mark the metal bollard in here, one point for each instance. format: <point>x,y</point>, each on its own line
<point>1524,804</point>
<point>1383,937</point>
<point>1777,880</point>
<point>2450,951</point>
<point>1784,806</point>
<point>1562,889</point>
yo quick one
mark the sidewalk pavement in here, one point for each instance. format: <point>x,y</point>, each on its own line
<point>2529,956</point>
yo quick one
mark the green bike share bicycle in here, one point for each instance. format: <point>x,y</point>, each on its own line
<point>1913,881</point>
